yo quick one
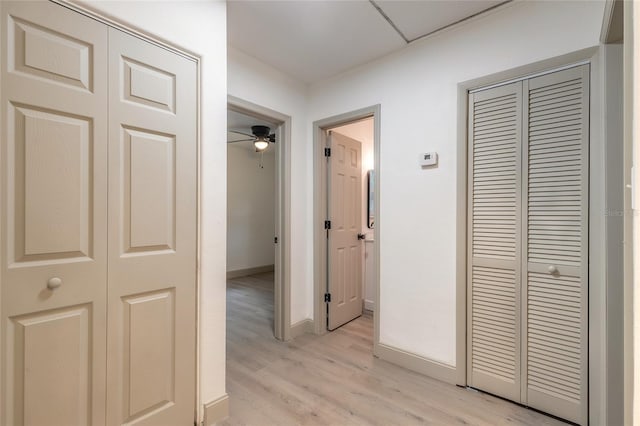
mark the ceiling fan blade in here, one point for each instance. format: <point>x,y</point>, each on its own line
<point>241,133</point>
<point>242,140</point>
<point>272,137</point>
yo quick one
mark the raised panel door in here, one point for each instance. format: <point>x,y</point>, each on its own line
<point>345,248</point>
<point>152,234</point>
<point>54,223</point>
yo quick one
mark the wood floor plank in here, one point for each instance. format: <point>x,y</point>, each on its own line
<point>334,379</point>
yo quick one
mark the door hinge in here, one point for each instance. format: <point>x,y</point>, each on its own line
<point>327,152</point>
<point>327,297</point>
<point>275,240</point>
<point>327,224</point>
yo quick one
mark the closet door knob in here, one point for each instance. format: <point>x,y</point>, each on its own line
<point>552,269</point>
<point>54,283</point>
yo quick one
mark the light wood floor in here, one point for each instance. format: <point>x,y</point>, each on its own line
<point>334,379</point>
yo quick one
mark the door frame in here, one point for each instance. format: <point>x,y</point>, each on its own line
<point>598,244</point>
<point>320,129</point>
<point>282,265</point>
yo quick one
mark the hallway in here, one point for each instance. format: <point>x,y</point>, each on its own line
<point>334,379</point>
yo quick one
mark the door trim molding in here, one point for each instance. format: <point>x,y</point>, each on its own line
<point>320,128</point>
<point>85,8</point>
<point>282,284</point>
<point>597,266</point>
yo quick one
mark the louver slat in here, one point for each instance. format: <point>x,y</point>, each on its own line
<point>495,133</point>
<point>494,169</point>
<point>564,252</point>
<point>493,327</point>
<point>555,187</point>
<point>553,331</point>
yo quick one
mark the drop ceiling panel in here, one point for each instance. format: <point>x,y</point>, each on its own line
<point>310,40</point>
<point>418,18</point>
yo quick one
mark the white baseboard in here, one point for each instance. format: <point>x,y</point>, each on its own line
<point>417,363</point>
<point>237,273</point>
<point>216,411</point>
<point>369,305</point>
<point>301,327</point>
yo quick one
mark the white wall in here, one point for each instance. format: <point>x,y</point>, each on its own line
<point>198,27</point>
<point>417,90</point>
<point>253,81</point>
<point>250,207</point>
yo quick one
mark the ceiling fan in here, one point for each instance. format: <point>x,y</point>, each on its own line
<point>260,136</point>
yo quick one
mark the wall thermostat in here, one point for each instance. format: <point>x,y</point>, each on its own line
<point>428,159</point>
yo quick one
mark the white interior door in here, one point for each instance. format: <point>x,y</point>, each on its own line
<point>152,234</point>
<point>98,257</point>
<point>556,232</point>
<point>528,242</point>
<point>54,221</point>
<point>495,135</point>
<point>345,260</point>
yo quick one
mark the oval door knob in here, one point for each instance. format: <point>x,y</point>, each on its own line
<point>552,269</point>
<point>54,283</point>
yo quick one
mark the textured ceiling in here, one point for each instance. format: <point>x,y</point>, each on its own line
<point>313,40</point>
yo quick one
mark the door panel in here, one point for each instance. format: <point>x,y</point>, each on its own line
<point>53,169</point>
<point>345,249</point>
<point>495,129</point>
<point>149,356</point>
<point>53,198</point>
<point>51,367</point>
<point>47,54</point>
<point>149,187</point>
<point>556,187</point>
<point>152,238</point>
<point>148,86</point>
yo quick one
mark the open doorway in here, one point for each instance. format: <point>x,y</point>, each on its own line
<point>251,188</point>
<point>346,193</point>
<point>257,224</point>
<point>250,198</point>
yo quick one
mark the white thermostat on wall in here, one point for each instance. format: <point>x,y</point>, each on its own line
<point>428,159</point>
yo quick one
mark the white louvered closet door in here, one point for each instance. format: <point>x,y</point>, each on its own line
<point>493,329</point>
<point>556,194</point>
<point>528,243</point>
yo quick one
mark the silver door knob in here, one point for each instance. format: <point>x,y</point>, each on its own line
<point>54,283</point>
<point>552,269</point>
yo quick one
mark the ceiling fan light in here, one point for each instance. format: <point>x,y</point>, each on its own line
<point>261,144</point>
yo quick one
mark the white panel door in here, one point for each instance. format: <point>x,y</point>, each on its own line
<point>495,136</point>
<point>152,234</point>
<point>345,248</point>
<point>556,231</point>
<point>54,222</point>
